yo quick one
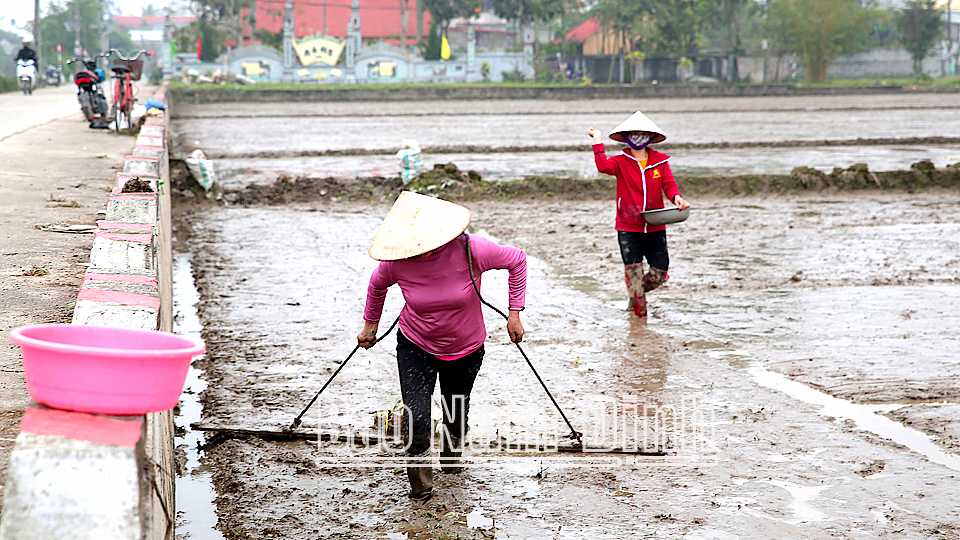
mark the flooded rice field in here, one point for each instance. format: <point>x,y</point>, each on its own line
<point>505,140</point>
<point>799,371</point>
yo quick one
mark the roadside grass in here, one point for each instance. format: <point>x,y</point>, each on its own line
<point>924,81</point>
<point>9,84</point>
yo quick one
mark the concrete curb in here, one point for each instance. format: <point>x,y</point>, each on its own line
<point>86,476</point>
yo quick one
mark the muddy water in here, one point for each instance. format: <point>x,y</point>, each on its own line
<point>366,133</point>
<point>775,307</point>
<point>196,513</point>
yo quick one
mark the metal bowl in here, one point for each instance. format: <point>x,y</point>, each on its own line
<point>664,216</point>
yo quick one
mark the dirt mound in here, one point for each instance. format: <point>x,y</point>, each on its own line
<point>448,181</point>
<point>922,175</point>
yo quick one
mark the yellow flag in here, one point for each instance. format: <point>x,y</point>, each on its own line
<point>444,48</point>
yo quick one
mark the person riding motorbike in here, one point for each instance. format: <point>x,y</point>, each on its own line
<point>26,53</point>
<point>26,68</point>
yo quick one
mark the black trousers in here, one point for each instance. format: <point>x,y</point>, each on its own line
<point>419,371</point>
<point>634,246</point>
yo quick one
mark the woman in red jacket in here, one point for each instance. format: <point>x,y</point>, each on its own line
<point>643,177</point>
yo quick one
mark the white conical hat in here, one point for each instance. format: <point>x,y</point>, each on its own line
<point>417,224</point>
<point>638,122</point>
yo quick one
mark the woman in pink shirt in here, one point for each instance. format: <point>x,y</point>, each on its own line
<point>423,249</point>
<point>643,178</point>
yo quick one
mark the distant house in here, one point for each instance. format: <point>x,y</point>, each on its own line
<point>599,48</point>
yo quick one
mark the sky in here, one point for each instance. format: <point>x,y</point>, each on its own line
<point>21,11</point>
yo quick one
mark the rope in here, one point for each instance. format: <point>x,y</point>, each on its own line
<point>574,434</point>
<point>296,421</point>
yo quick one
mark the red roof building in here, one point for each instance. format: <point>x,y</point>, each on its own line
<point>596,40</point>
<point>379,19</point>
<point>586,29</point>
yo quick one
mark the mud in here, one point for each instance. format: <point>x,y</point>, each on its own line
<point>276,331</point>
<point>843,293</point>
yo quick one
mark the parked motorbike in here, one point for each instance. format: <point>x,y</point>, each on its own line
<point>53,76</point>
<point>27,75</point>
<point>89,81</point>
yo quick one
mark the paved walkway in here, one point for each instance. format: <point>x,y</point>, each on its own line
<point>54,171</point>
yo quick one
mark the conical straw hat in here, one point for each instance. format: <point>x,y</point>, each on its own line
<point>417,224</point>
<point>638,122</point>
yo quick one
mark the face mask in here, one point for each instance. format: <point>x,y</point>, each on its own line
<point>638,141</point>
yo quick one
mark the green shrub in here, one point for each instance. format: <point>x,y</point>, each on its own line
<point>9,84</point>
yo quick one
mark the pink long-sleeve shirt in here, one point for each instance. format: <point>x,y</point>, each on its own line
<point>442,314</point>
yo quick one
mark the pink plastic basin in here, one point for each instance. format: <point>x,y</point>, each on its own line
<point>104,370</point>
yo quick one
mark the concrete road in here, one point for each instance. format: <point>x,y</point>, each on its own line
<point>45,105</point>
<point>54,170</point>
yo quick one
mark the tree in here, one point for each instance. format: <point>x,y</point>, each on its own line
<point>269,39</point>
<point>920,28</point>
<point>730,14</point>
<point>819,31</point>
<point>678,27</point>
<point>210,40</point>
<point>404,18</point>
<point>525,12</point>
<point>229,17</point>
<point>445,11</point>
<point>7,67</point>
<point>83,20</point>
<point>883,32</point>
<point>432,51</point>
<point>621,23</point>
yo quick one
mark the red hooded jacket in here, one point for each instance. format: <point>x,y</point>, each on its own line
<point>637,191</point>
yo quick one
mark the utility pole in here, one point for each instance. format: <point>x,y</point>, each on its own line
<point>288,37</point>
<point>77,49</point>
<point>953,63</point>
<point>37,35</point>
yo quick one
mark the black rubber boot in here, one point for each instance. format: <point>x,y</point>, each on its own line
<point>450,453</point>
<point>420,474</point>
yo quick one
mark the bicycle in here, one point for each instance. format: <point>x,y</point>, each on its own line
<point>125,70</point>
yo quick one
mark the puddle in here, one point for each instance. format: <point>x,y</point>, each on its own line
<point>476,520</point>
<point>802,495</point>
<point>196,514</point>
<point>864,416</point>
